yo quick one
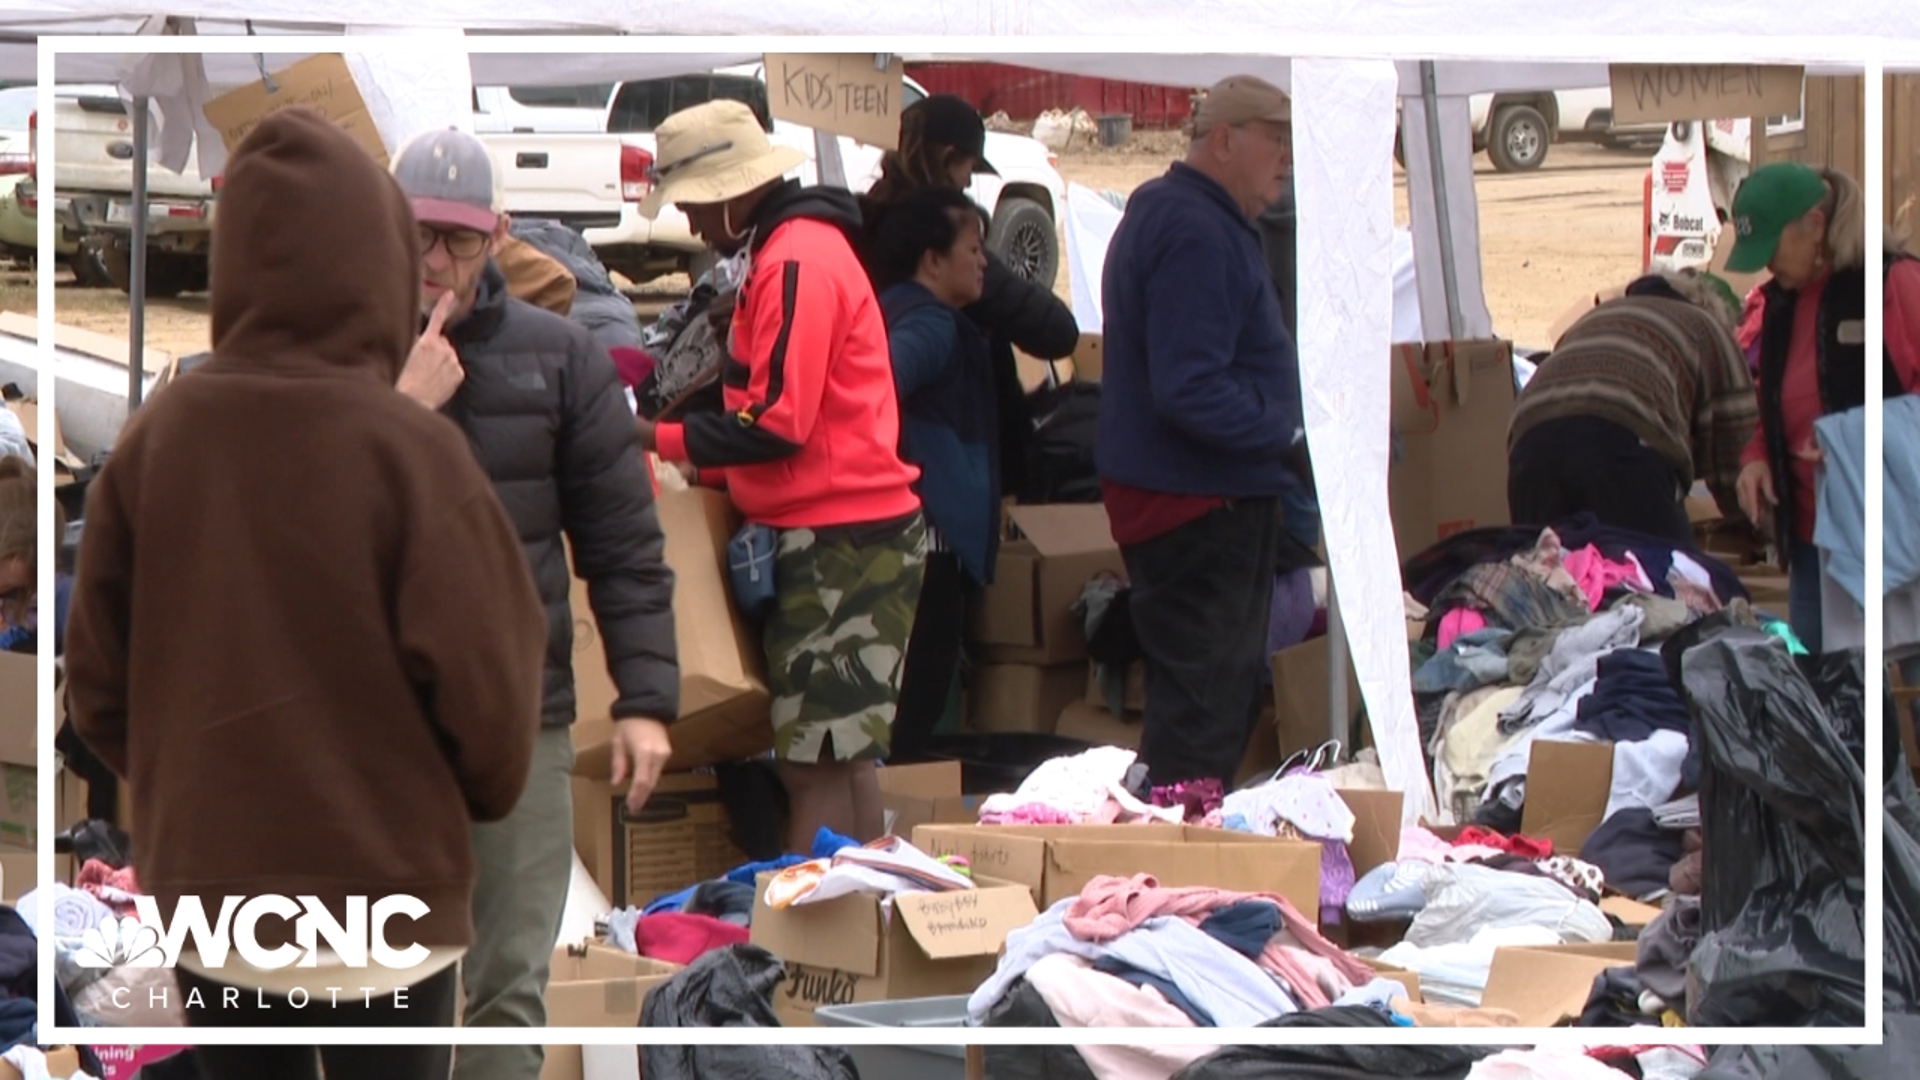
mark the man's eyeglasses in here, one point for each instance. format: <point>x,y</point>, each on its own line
<point>460,243</point>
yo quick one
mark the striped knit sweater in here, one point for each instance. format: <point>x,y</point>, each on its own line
<point>1663,369</point>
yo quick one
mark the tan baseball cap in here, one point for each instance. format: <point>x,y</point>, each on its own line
<point>1242,99</point>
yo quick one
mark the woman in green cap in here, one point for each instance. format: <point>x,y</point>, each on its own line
<point>1641,397</point>
<point>1807,228</point>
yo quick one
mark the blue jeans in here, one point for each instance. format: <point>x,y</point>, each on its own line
<point>1803,595</point>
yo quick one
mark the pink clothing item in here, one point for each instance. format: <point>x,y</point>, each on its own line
<point>114,888</point>
<point>1458,623</point>
<point>1595,574</point>
<point>1080,997</point>
<point>1419,843</point>
<point>1110,907</point>
<point>682,939</point>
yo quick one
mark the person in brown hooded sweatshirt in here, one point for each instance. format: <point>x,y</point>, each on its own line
<point>276,636</point>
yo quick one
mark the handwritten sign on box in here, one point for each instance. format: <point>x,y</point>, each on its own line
<point>844,94</point>
<point>321,83</point>
<point>1665,93</point>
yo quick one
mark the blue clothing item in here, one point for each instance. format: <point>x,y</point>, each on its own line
<point>1130,974</point>
<point>1468,663</point>
<point>826,844</point>
<point>1201,389</point>
<point>1900,557</point>
<point>949,421</point>
<point>1804,611</point>
<point>1840,526</point>
<point>62,595</point>
<point>1300,515</point>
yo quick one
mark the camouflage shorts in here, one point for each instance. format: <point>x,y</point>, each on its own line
<point>836,640</point>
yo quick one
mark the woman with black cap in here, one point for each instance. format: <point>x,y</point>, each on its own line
<point>943,144</point>
<point>1643,396</point>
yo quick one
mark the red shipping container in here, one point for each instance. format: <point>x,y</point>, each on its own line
<point>1024,93</point>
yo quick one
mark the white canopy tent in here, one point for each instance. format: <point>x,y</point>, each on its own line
<point>1344,133</point>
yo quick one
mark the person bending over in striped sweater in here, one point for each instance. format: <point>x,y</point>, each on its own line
<point>1643,396</point>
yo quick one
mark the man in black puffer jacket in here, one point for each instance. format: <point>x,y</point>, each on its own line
<point>541,403</point>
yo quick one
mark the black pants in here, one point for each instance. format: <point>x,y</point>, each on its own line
<point>933,656</point>
<point>1202,597</point>
<point>1583,463</point>
<point>428,1004</point>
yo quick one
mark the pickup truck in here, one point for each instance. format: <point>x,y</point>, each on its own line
<point>575,179</point>
<point>1023,200</point>
<point>93,196</point>
<point>1517,128</point>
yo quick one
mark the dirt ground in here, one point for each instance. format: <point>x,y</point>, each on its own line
<point>1547,239</point>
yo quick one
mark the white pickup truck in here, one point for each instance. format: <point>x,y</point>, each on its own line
<point>577,179</point>
<point>1517,128</point>
<point>1023,200</point>
<point>93,195</point>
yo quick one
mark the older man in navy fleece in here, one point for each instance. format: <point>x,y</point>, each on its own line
<point>1199,427</point>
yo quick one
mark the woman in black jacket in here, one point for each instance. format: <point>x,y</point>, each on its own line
<point>943,144</point>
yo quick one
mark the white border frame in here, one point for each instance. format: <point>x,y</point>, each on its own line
<point>1860,51</point>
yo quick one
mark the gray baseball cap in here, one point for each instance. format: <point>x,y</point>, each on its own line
<point>449,177</point>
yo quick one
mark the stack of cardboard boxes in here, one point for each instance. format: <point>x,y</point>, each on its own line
<point>19,774</point>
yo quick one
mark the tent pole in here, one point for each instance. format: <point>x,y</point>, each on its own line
<point>1442,220</point>
<point>137,261</point>
<point>1339,713</point>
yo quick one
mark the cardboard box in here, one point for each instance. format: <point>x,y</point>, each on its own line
<point>1452,403</point>
<point>1376,828</point>
<point>916,795</point>
<point>1568,784</point>
<point>62,1062</point>
<point>1026,615</point>
<point>70,799</point>
<point>1133,696</point>
<point>724,706</point>
<point>1545,985</point>
<point>1022,697</point>
<point>19,872</point>
<point>1094,724</point>
<point>847,950</point>
<point>1300,695</point>
<point>682,838</point>
<point>1766,588</point>
<point>597,986</point>
<point>562,1063</point>
<point>1057,861</point>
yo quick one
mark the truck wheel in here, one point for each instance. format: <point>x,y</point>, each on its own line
<point>88,271</point>
<point>1519,139</point>
<point>1023,234</point>
<point>168,275</point>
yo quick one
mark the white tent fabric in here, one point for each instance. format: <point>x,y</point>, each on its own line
<point>1345,116</point>
<point>1091,221</point>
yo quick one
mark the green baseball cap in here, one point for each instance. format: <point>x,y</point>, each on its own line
<point>1772,198</point>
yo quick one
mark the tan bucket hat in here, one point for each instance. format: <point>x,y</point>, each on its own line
<point>713,153</point>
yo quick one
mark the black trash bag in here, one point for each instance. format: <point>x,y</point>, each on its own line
<point>1900,923</point>
<point>1022,1006</point>
<point>1336,1062</point>
<point>1902,1043</point>
<point>1060,466</point>
<point>731,987</point>
<point>1839,681</point>
<point>1781,806</point>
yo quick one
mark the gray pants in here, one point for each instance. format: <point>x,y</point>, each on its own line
<point>525,862</point>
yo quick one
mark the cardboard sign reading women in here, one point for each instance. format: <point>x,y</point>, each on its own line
<point>321,82</point>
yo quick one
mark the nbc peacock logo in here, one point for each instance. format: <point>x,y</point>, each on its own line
<point>122,942</point>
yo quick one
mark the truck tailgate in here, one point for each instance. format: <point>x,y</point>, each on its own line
<point>572,178</point>
<point>93,147</point>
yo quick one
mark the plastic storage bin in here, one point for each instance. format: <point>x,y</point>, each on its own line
<point>903,1062</point>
